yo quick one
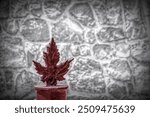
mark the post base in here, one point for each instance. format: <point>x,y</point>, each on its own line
<point>58,92</point>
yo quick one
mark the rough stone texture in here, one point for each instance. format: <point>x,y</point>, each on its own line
<point>34,52</point>
<point>25,82</point>
<point>108,11</point>
<point>140,49</point>
<point>35,6</point>
<point>82,13</point>
<point>61,32</point>
<point>90,37</point>
<point>122,49</point>
<point>118,92</point>
<point>82,50</point>
<point>91,83</point>
<point>12,53</point>
<point>55,8</point>
<point>35,30</point>
<point>108,34</point>
<point>119,70</point>
<point>102,51</point>
<point>87,76</point>
<point>108,39</point>
<point>19,8</point>
<point>11,26</point>
<point>135,27</point>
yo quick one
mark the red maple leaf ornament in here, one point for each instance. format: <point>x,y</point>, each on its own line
<point>52,72</point>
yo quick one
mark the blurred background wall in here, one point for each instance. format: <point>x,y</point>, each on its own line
<point>108,39</point>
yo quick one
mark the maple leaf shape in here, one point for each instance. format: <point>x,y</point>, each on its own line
<point>51,57</point>
<point>52,72</point>
<point>39,68</point>
<point>62,69</point>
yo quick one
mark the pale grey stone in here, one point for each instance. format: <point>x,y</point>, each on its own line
<point>83,14</point>
<point>75,50</point>
<point>55,8</point>
<point>73,75</point>
<point>80,50</point>
<point>119,70</point>
<point>90,37</point>
<point>135,30</point>
<point>91,83</point>
<point>87,76</point>
<point>122,49</point>
<point>35,52</point>
<point>30,58</point>
<point>86,64</point>
<point>114,12</point>
<point>100,9</point>
<point>95,65</point>
<point>65,53</point>
<point>140,49</point>
<point>109,34</point>
<point>62,33</point>
<point>35,6</point>
<point>102,51</point>
<point>35,30</point>
<point>81,64</point>
<point>135,26</point>
<point>77,39</point>
<point>108,11</point>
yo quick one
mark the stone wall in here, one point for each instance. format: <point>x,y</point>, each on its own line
<point>108,39</point>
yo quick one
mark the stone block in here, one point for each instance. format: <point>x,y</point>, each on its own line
<point>62,33</point>
<point>25,82</point>
<point>35,6</point>
<point>119,70</point>
<point>19,8</point>
<point>122,49</point>
<point>91,83</point>
<point>118,92</point>
<point>108,12</point>
<point>90,37</point>
<point>102,51</point>
<point>109,34</point>
<point>55,8</point>
<point>140,49</point>
<point>82,13</point>
<point>11,26</point>
<point>35,30</point>
<point>12,53</point>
